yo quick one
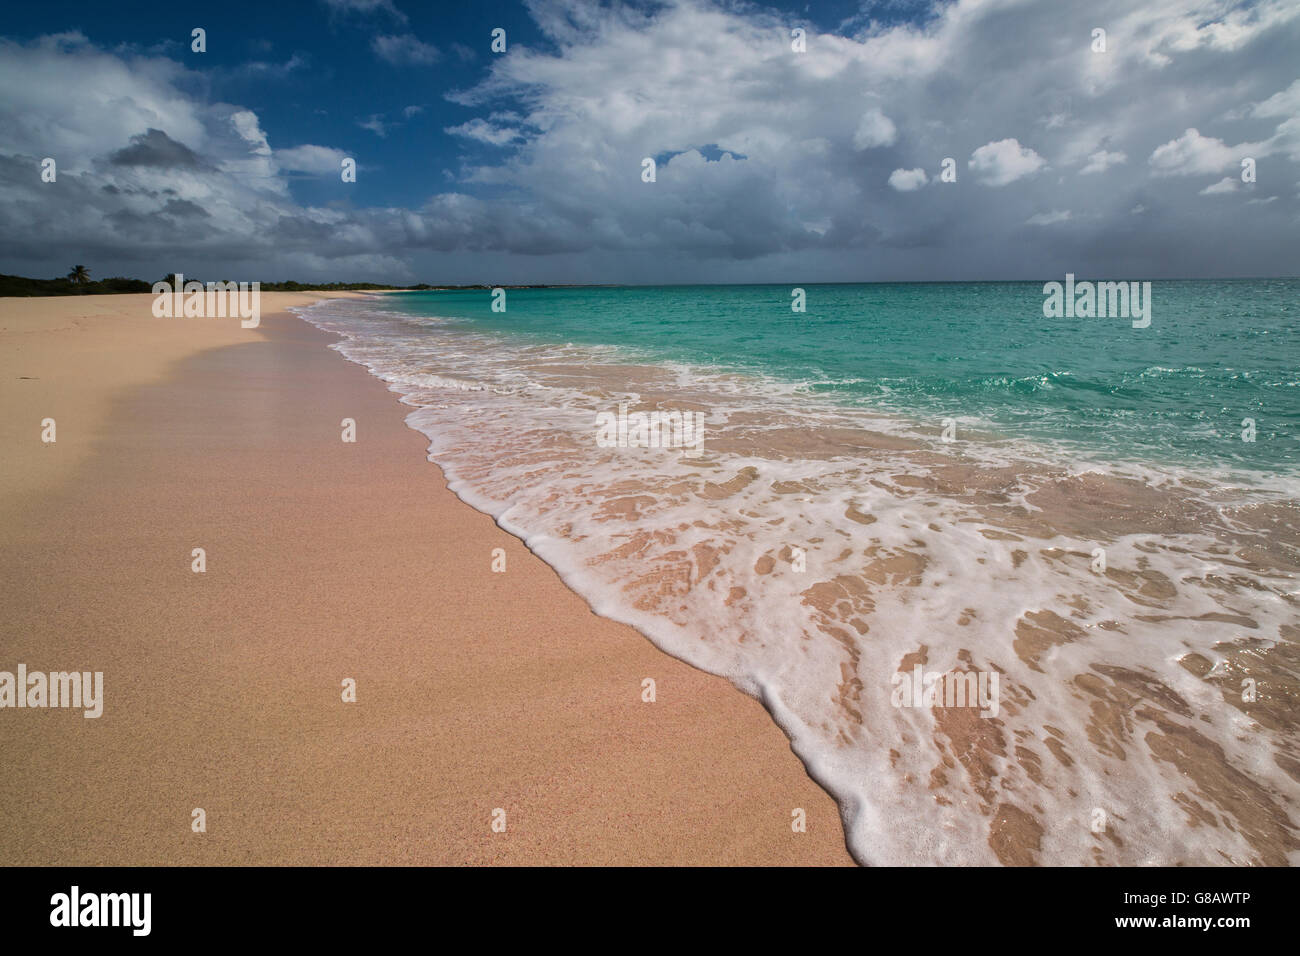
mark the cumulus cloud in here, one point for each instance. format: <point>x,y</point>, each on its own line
<point>148,175</point>
<point>1048,218</point>
<point>1195,154</point>
<point>907,180</point>
<point>764,167</point>
<point>1166,31</point>
<point>1003,162</point>
<point>115,100</point>
<point>1192,154</point>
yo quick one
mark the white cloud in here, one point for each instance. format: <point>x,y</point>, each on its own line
<point>607,85</point>
<point>1285,103</point>
<point>1003,162</point>
<point>1225,185</point>
<point>485,132</point>
<point>1164,31</point>
<point>310,159</point>
<point>1048,218</point>
<point>875,129</point>
<point>908,180</point>
<point>404,50</point>
<point>247,126</point>
<point>376,124</point>
<point>1101,161</point>
<point>1192,154</point>
<point>257,166</point>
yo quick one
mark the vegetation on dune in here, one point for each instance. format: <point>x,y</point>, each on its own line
<point>23,286</point>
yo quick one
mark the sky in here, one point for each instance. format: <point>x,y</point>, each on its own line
<point>778,157</point>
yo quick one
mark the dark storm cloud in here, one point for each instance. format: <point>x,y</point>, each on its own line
<point>156,149</point>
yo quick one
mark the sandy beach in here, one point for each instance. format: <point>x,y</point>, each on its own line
<point>325,561</point>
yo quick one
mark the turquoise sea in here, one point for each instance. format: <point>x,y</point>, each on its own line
<point>1216,352</point>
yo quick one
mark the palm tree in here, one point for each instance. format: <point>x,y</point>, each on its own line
<point>79,275</point>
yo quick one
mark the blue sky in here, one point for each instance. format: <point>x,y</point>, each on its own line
<point>774,164</point>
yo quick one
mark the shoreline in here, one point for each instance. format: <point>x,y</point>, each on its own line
<point>993,442</point>
<point>226,697</point>
<point>1096,601</point>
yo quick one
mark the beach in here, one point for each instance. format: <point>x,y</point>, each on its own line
<point>678,434</point>
<point>325,561</point>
